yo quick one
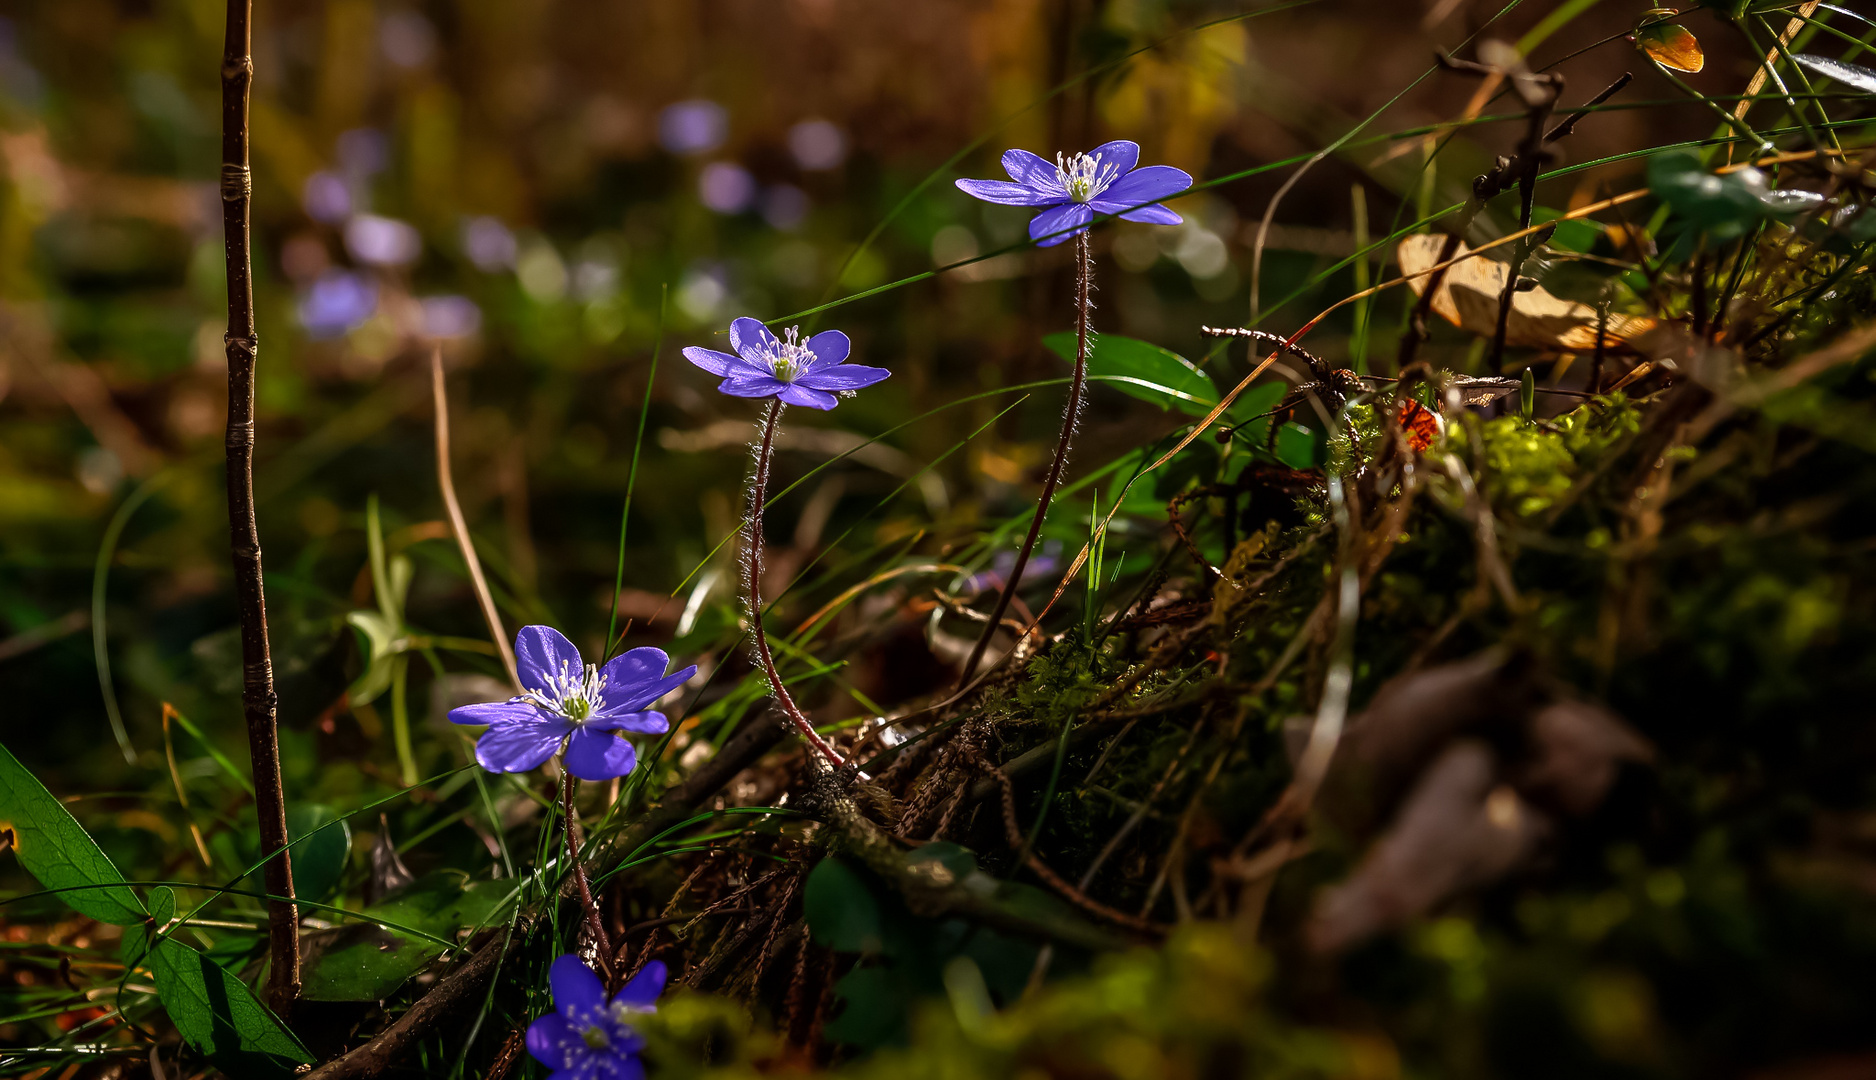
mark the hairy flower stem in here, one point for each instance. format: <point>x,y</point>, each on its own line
<point>758,497</point>
<point>594,924</point>
<point>258,703</point>
<point>1084,306</point>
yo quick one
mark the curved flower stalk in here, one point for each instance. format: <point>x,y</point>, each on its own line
<point>1105,180</point>
<point>571,704</point>
<point>815,374</point>
<point>589,1036</point>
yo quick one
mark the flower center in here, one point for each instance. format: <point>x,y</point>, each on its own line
<point>571,693</point>
<point>1084,176</point>
<point>595,1038</point>
<point>790,356</point>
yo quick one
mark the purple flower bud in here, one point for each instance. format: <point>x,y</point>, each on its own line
<point>489,244</point>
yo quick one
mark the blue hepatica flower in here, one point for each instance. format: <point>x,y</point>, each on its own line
<point>588,1037</point>
<point>570,701</point>
<point>799,372</point>
<point>1079,186</point>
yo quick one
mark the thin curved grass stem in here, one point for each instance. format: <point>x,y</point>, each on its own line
<point>1084,288</point>
<point>758,491</point>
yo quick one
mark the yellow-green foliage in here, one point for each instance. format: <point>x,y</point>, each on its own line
<point>1191,1009</point>
<point>1528,467</point>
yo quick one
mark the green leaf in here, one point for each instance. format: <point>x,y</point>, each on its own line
<point>218,1015</point>
<point>380,634</point>
<point>1143,370</point>
<point>363,962</point>
<point>58,852</point>
<point>841,910</point>
<point>318,861</point>
<point>1300,447</point>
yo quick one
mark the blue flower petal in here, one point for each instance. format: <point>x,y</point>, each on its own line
<point>552,1041</point>
<point>749,335</point>
<point>1121,155</point>
<point>642,991</point>
<point>1008,194</point>
<point>1058,223</point>
<point>1033,173</point>
<point>1142,186</point>
<point>495,712</point>
<point>577,990</point>
<point>830,347</point>
<point>597,755</point>
<point>717,363</point>
<point>797,394</point>
<point>543,653</point>
<point>752,386</point>
<point>643,723</point>
<point>521,745</point>
<point>1153,215</point>
<point>636,678</point>
<point>843,377</point>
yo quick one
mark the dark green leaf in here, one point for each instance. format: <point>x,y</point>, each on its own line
<point>364,962</point>
<point>318,861</point>
<point>219,1016</point>
<point>1143,370</point>
<point>841,910</point>
<point>58,852</point>
<point>1299,447</point>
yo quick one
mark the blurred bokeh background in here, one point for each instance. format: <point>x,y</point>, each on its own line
<point>541,190</point>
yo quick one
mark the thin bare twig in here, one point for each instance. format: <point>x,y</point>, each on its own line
<point>241,343</point>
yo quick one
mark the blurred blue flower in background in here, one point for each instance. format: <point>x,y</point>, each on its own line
<point>382,241</point>
<point>489,244</point>
<point>449,316</point>
<point>338,301</point>
<point>327,198</point>
<point>1077,187</point>
<point>817,145</point>
<point>726,187</point>
<point>696,126</point>
<point>785,207</point>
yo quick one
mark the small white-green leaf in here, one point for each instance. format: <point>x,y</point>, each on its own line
<point>1848,74</point>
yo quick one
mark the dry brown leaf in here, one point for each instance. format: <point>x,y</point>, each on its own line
<point>1459,827</point>
<point>1468,298</point>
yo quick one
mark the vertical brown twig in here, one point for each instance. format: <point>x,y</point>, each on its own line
<point>446,483</point>
<point>244,542</point>
<point>758,501</point>
<point>1084,287</point>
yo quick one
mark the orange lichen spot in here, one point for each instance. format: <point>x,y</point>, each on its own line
<point>1420,424</point>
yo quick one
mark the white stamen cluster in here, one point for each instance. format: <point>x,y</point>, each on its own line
<point>572,694</point>
<point>1084,176</point>
<point>790,356</point>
